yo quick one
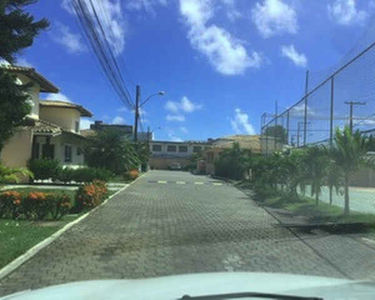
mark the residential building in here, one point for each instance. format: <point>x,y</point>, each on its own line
<point>251,142</point>
<point>127,130</point>
<point>51,130</point>
<point>165,153</point>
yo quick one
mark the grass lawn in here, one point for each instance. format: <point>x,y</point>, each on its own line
<point>322,213</point>
<point>19,236</point>
<point>16,237</point>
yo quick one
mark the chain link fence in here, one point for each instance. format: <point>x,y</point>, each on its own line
<point>345,97</point>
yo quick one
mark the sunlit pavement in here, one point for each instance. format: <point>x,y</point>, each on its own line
<point>171,222</point>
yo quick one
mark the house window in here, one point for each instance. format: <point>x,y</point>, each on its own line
<point>68,153</point>
<point>156,148</point>
<point>48,151</point>
<point>207,147</point>
<point>183,149</point>
<point>79,151</point>
<point>197,149</point>
<point>36,150</point>
<point>77,126</point>
<point>171,148</point>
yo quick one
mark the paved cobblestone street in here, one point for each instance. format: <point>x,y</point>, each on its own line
<point>167,223</point>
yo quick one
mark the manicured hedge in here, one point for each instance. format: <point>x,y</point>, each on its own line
<point>49,169</point>
<point>34,205</point>
<point>90,195</point>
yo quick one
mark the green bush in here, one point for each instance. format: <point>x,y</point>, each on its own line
<point>44,168</point>
<point>84,175</point>
<point>66,175</point>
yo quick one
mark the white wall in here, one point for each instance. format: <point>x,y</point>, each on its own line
<point>164,147</point>
<point>17,150</point>
<point>34,95</point>
<point>64,117</point>
<point>60,142</point>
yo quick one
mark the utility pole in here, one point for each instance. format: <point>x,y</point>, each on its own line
<point>351,103</point>
<point>137,97</point>
<point>299,129</point>
<point>305,117</point>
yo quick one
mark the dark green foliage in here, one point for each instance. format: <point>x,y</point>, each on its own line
<point>108,149</point>
<point>277,131</point>
<point>18,28</point>
<point>44,168</point>
<point>233,162</point>
<point>13,106</point>
<point>17,32</point>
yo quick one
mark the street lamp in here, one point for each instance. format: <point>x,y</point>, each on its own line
<point>137,106</point>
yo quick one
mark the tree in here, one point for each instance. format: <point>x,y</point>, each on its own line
<point>108,149</point>
<point>278,132</point>
<point>18,30</point>
<point>233,162</point>
<point>315,162</point>
<point>349,154</point>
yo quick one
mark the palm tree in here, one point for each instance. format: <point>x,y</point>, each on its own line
<point>315,163</point>
<point>233,162</point>
<point>349,154</point>
<point>8,175</point>
<point>109,149</point>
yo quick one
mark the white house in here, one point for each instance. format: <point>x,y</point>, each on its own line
<point>51,130</point>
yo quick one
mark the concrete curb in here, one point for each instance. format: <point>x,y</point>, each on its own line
<point>13,265</point>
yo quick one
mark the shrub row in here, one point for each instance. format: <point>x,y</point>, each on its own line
<point>50,169</point>
<point>34,205</point>
<point>131,175</point>
<point>39,205</point>
<point>90,195</point>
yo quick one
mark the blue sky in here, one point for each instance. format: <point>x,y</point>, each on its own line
<point>221,63</point>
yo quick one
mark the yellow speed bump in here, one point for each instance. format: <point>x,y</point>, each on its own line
<point>162,181</point>
<point>180,182</point>
<point>198,183</point>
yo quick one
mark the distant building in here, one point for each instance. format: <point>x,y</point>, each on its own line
<point>165,153</point>
<point>126,129</point>
<point>250,142</point>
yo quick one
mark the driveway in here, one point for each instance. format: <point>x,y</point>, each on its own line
<point>171,222</point>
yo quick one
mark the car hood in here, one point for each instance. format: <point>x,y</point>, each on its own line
<point>174,287</point>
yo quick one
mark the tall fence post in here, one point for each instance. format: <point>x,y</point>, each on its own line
<point>331,113</point>
<point>305,118</point>
<point>287,127</point>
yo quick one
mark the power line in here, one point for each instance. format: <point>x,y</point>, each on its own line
<point>95,33</point>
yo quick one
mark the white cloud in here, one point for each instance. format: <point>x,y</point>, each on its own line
<point>189,106</point>
<point>118,120</point>
<point>185,105</point>
<point>57,97</point>
<point>111,16</point>
<point>241,124</point>
<point>171,106</point>
<point>73,42</point>
<point>344,12</point>
<point>224,52</point>
<point>178,118</point>
<point>299,59</point>
<point>274,17</point>
<point>85,124</point>
<point>299,110</point>
<point>147,5</point>
<point>173,137</point>
<point>184,130</point>
<point>24,63</point>
<point>233,14</point>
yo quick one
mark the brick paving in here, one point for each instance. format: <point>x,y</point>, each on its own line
<point>152,229</point>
